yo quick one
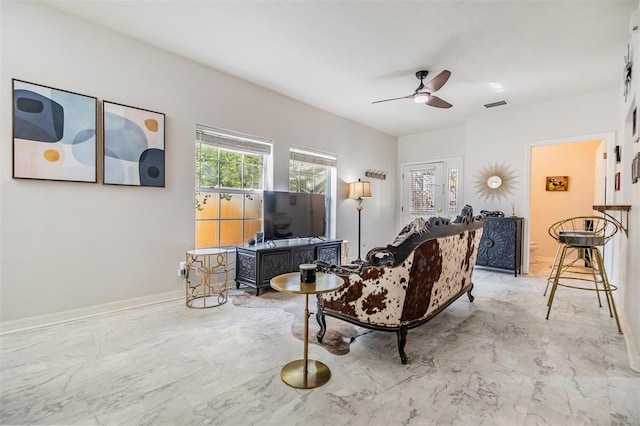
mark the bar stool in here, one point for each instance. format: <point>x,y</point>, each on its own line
<point>583,235</point>
<point>554,232</point>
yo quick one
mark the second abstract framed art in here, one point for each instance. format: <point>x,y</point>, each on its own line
<point>133,146</point>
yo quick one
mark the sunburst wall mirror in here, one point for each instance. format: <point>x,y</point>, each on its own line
<point>495,181</point>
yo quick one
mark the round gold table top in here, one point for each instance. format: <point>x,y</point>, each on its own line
<point>290,283</point>
<point>205,251</point>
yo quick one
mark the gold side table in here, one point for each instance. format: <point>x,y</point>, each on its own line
<point>202,289</point>
<point>306,373</point>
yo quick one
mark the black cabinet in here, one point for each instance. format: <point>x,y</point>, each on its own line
<point>258,263</point>
<point>501,244</point>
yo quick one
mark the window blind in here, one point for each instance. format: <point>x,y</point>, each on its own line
<point>307,156</point>
<point>234,141</point>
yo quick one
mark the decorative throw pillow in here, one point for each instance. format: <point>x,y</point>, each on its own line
<point>417,226</point>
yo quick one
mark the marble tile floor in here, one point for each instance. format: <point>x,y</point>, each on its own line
<point>496,361</point>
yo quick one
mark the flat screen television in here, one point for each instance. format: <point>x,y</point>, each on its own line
<point>293,215</point>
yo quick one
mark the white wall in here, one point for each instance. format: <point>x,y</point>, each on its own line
<point>451,142</point>
<point>628,247</point>
<point>68,246</point>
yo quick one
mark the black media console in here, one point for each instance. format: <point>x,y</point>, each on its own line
<point>256,264</point>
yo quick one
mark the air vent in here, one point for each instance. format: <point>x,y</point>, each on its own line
<point>496,104</point>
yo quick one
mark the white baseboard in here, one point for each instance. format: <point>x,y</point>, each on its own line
<point>632,348</point>
<point>89,311</point>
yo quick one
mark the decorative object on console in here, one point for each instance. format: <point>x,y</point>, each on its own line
<point>376,174</point>
<point>496,213</point>
<point>359,190</point>
<point>133,146</point>
<point>557,183</point>
<point>494,182</point>
<point>54,134</point>
<point>308,272</point>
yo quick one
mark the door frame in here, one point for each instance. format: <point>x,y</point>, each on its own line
<point>606,175</point>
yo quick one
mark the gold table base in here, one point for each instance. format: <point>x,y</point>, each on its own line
<point>202,266</point>
<point>306,373</point>
<point>294,374</point>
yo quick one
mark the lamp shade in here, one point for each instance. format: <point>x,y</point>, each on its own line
<point>360,189</point>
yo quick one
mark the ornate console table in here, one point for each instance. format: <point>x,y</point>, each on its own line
<point>256,264</point>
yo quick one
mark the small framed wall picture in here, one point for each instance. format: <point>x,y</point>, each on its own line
<point>618,153</point>
<point>557,183</point>
<point>635,168</point>
<point>617,182</point>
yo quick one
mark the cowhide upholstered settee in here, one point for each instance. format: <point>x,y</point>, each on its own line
<point>408,282</point>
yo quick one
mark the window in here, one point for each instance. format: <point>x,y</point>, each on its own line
<point>452,204</point>
<point>314,172</point>
<point>230,177</point>
<point>423,188</point>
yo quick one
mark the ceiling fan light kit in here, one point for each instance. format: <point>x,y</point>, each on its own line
<point>423,94</point>
<point>421,98</point>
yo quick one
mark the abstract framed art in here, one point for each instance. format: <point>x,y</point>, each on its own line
<point>54,134</point>
<point>133,146</point>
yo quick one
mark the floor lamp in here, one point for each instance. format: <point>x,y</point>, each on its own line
<point>359,190</point>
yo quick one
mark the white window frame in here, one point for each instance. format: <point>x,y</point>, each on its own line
<point>241,143</point>
<point>330,160</point>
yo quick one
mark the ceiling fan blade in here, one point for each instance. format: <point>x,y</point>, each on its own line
<point>438,81</point>
<point>393,99</point>
<point>435,101</point>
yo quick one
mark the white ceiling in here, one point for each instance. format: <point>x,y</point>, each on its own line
<point>340,56</point>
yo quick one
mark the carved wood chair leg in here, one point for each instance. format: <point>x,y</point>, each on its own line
<point>469,293</point>
<point>321,322</point>
<point>402,340</point>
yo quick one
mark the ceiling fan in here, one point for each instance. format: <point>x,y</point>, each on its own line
<point>423,94</point>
